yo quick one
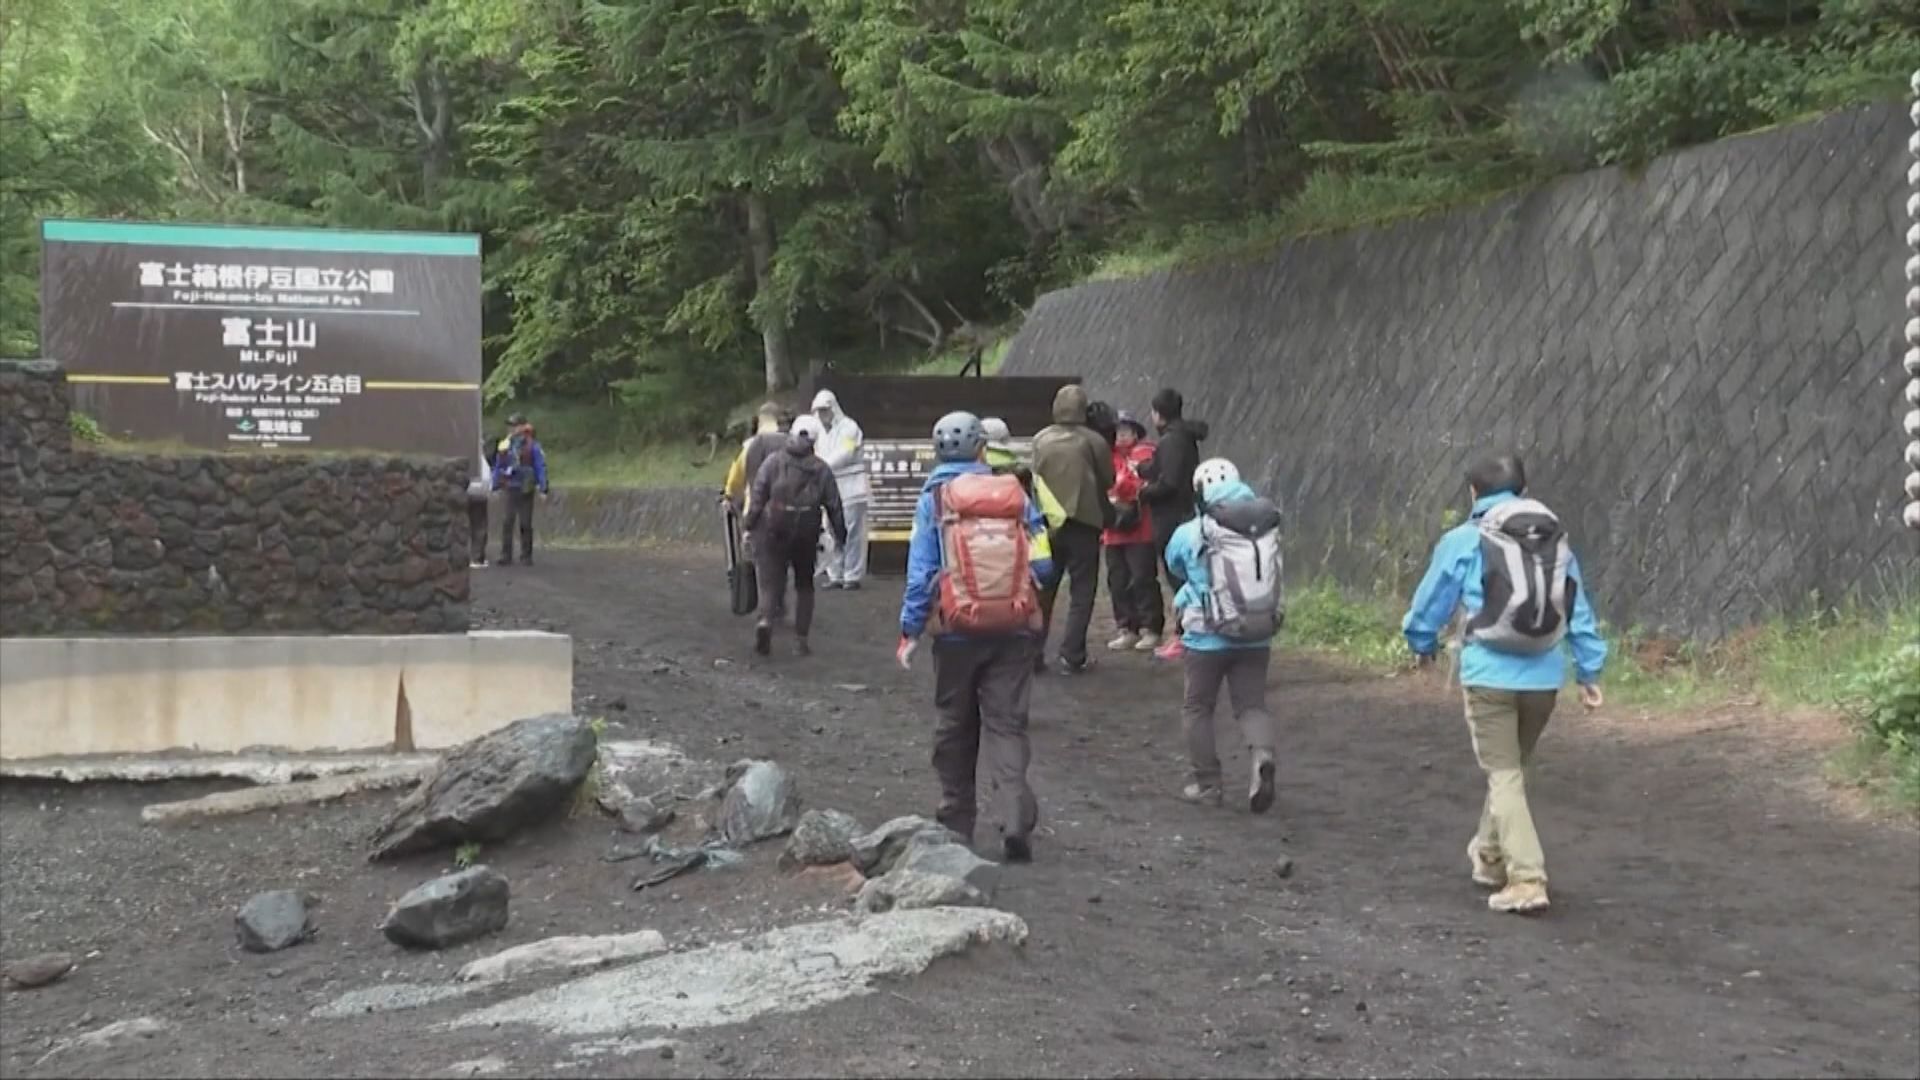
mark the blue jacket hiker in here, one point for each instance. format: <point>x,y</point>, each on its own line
<point>972,532</point>
<point>1512,665</point>
<point>519,470</point>
<point>924,550</point>
<point>1455,577</point>
<point>1228,632</point>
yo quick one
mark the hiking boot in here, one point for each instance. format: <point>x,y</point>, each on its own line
<point>1490,873</point>
<point>850,586</point>
<point>801,648</point>
<point>832,584</point>
<point>763,639</point>
<point>1260,796</point>
<point>1148,642</point>
<point>1127,639</point>
<point>508,561</point>
<point>1202,794</point>
<point>1520,897</point>
<point>1068,667</point>
<point>477,565</point>
<point>1172,650</point>
<point>1018,849</point>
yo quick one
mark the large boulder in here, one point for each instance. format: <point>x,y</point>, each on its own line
<point>762,801</point>
<point>449,910</point>
<point>878,851</point>
<point>931,854</point>
<point>486,789</point>
<point>273,921</point>
<point>905,890</point>
<point>822,838</point>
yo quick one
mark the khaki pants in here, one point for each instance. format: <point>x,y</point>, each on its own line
<point>1506,725</point>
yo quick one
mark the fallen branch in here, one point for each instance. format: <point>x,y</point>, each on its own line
<point>305,792</point>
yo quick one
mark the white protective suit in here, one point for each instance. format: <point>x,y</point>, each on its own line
<point>841,450</point>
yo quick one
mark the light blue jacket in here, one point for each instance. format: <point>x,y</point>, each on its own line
<point>923,551</point>
<point>1189,565</point>
<point>1453,579</point>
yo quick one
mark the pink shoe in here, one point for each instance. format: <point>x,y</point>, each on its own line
<point>1172,650</point>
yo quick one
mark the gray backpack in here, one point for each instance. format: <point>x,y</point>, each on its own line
<point>1245,601</point>
<point>1525,562</point>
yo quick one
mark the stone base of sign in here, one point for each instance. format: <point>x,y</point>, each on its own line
<point>137,695</point>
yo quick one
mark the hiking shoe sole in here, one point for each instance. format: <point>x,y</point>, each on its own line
<point>1262,799</point>
<point>763,640</point>
<point>1018,849</point>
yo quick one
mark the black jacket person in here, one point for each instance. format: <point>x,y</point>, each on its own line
<point>1169,491</point>
<point>790,492</point>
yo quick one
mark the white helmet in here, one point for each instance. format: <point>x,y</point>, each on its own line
<point>1211,473</point>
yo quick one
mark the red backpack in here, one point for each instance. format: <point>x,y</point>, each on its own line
<point>986,584</point>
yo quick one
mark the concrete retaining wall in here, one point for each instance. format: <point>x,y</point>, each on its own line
<point>1698,363</point>
<point>132,695</point>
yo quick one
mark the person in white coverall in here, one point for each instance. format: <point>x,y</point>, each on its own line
<point>846,564</point>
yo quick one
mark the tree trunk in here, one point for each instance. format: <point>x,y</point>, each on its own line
<point>236,140</point>
<point>773,324</point>
<point>432,101</point>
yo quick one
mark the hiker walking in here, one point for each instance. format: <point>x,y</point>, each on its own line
<point>790,492</point>
<point>1512,569</point>
<point>1133,560</point>
<point>1169,494</point>
<point>768,439</point>
<point>975,566</point>
<point>1076,465</point>
<point>520,471</point>
<point>841,442</point>
<point>1230,607</point>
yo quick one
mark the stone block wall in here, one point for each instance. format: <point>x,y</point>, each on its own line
<point>1698,363</point>
<point>105,542</point>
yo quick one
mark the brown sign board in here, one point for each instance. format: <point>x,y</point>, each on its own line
<point>240,338</point>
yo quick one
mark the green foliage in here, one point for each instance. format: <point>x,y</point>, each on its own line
<point>1887,701</point>
<point>85,428</point>
<point>683,202</point>
<point>466,855</point>
<point>1324,616</point>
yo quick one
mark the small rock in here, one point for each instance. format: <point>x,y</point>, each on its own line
<point>822,838</point>
<point>618,704</point>
<point>851,687</point>
<point>666,1053</point>
<point>1093,898</point>
<point>273,921</point>
<point>878,851</point>
<point>478,1066</point>
<point>906,890</point>
<point>640,815</point>
<point>38,971</point>
<point>934,854</point>
<point>120,1031</point>
<point>450,910</point>
<point>762,801</point>
<point>1265,979</point>
<point>1283,868</point>
<point>1755,974</point>
<point>1359,1006</point>
<point>275,973</point>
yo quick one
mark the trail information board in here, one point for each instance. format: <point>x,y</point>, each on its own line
<point>896,471</point>
<point>234,338</point>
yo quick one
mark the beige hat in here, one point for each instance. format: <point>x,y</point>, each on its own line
<point>999,437</point>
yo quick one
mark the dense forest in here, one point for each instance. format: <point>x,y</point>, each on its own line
<point>681,199</point>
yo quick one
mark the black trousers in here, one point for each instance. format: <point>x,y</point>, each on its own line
<point>519,517</point>
<point>477,530</point>
<point>774,557</point>
<point>1076,554</point>
<point>1167,519</point>
<point>981,690</point>
<point>1133,581</point>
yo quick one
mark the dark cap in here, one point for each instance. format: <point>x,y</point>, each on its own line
<point>1168,403</point>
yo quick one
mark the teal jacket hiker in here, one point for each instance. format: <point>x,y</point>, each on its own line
<point>1189,565</point>
<point>1454,578</point>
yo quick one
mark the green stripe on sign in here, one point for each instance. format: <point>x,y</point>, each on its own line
<point>241,236</point>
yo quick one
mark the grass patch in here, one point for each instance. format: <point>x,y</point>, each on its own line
<point>466,855</point>
<point>1839,660</point>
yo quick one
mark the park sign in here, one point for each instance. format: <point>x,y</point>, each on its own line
<point>235,338</point>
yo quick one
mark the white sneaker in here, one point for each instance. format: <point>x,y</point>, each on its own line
<point>1148,642</point>
<point>1127,640</point>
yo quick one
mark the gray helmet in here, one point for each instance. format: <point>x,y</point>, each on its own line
<point>958,437</point>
